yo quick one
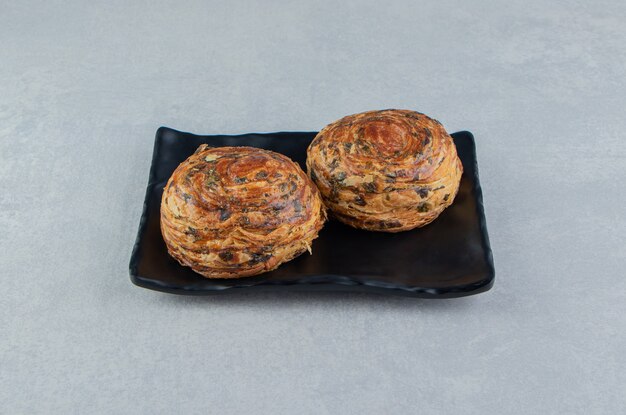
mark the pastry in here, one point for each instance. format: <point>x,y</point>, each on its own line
<point>389,170</point>
<point>232,212</point>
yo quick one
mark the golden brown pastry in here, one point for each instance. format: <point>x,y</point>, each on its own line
<point>239,211</point>
<point>389,170</point>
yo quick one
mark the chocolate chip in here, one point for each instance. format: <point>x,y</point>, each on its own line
<point>224,214</point>
<point>333,164</point>
<point>360,201</point>
<point>370,187</point>
<point>225,255</point>
<point>257,258</point>
<point>389,224</point>
<point>423,207</point>
<point>422,192</point>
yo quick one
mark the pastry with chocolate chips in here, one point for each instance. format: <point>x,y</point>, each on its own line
<point>232,212</point>
<point>389,170</point>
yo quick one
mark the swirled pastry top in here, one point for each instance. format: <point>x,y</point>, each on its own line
<point>239,211</point>
<point>388,170</point>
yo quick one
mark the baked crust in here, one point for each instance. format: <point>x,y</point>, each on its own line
<point>233,212</point>
<point>389,170</point>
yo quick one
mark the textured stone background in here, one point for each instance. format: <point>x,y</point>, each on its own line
<point>83,89</point>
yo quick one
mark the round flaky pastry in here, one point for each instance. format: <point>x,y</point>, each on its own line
<point>389,170</point>
<point>232,212</point>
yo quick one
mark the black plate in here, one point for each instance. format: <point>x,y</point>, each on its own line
<point>450,257</point>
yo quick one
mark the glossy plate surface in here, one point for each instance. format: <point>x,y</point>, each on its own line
<point>450,257</point>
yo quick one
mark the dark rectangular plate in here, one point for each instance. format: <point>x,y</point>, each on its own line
<point>450,257</point>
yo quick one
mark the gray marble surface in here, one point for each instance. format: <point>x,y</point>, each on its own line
<point>83,87</point>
